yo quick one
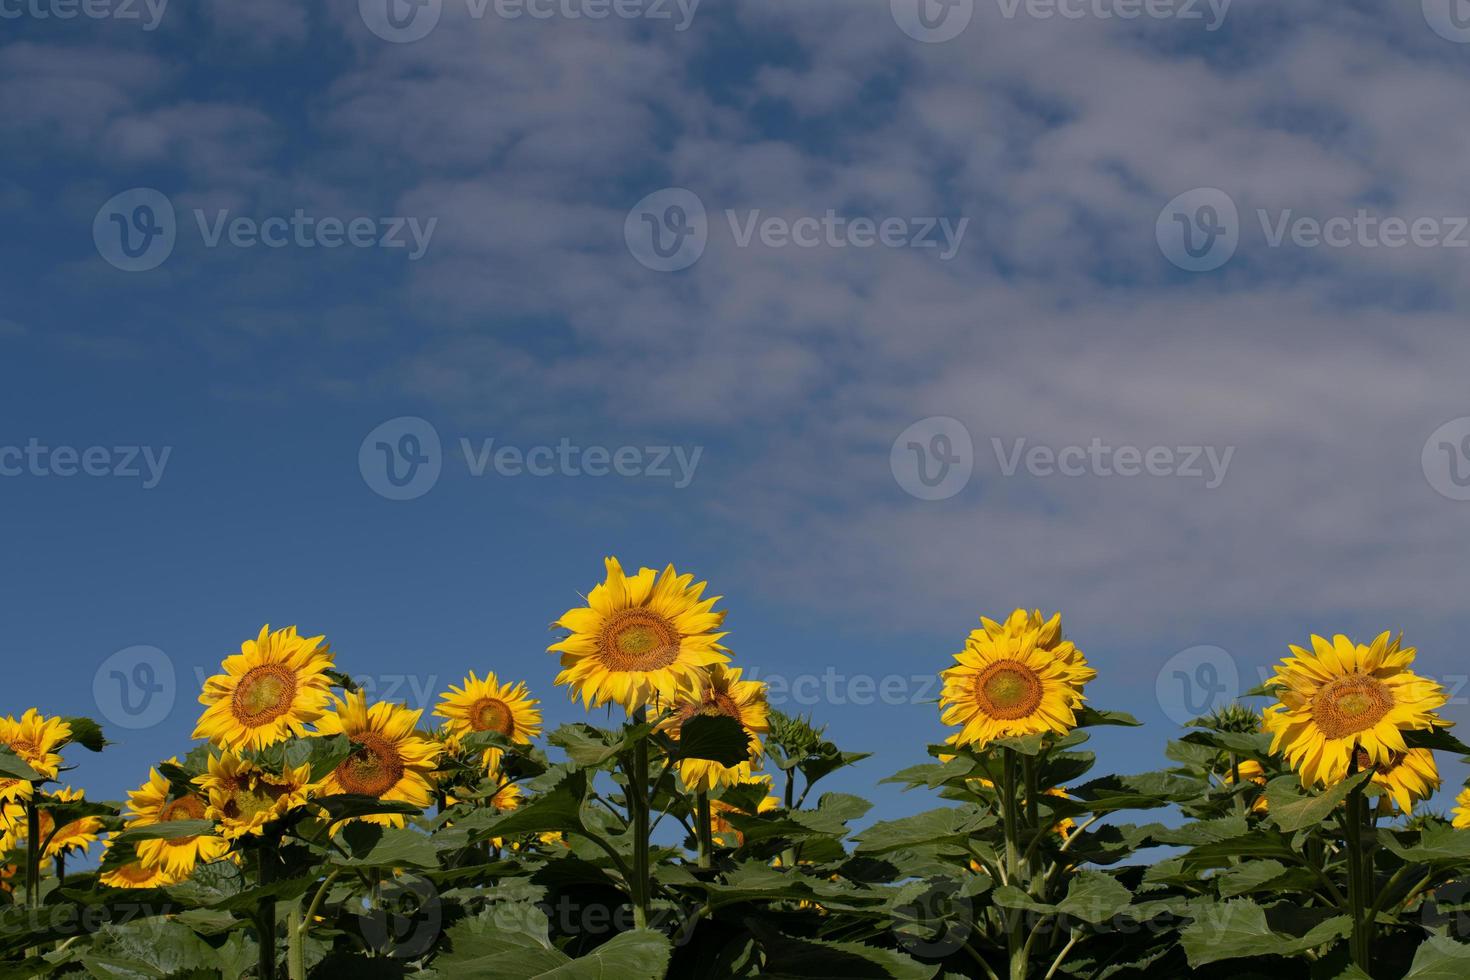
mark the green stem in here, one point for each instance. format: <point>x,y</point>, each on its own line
<point>295,943</point>
<point>638,802</point>
<point>33,850</point>
<point>702,821</point>
<point>1015,927</point>
<point>265,913</point>
<point>1357,892</point>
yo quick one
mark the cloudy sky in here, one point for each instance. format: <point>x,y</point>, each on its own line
<point>879,316</point>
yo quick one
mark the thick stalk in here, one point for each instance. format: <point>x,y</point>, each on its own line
<point>638,803</point>
<point>295,942</point>
<point>265,914</point>
<point>33,851</point>
<point>1015,927</point>
<point>704,832</point>
<point>1357,892</point>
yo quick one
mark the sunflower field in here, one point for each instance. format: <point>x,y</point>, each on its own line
<point>312,832</point>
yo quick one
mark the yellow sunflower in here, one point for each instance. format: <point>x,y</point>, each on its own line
<point>136,874</point>
<point>639,637</point>
<point>154,803</point>
<point>270,690</point>
<point>489,706</point>
<point>77,835</point>
<point>243,798</point>
<point>1405,779</point>
<point>1048,630</point>
<point>1014,682</point>
<point>390,761</point>
<point>1340,696</point>
<point>1250,771</point>
<point>722,692</point>
<point>1462,810</point>
<point>721,828</point>
<point>35,738</point>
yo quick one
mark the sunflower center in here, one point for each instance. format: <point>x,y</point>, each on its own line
<point>1351,704</point>
<point>1365,762</point>
<point>639,640</point>
<point>1008,690</point>
<point>24,748</point>
<point>183,808</point>
<point>492,715</point>
<point>252,798</point>
<point>373,768</point>
<point>264,694</point>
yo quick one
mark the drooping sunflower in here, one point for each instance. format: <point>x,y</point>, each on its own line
<point>1014,682</point>
<point>35,738</point>
<point>1462,810</point>
<point>639,637</point>
<point>271,689</point>
<point>489,706</point>
<point>390,760</point>
<point>1341,696</point>
<point>135,874</point>
<point>722,692</point>
<point>1250,771</point>
<point>719,810</point>
<point>155,802</point>
<point>1405,779</point>
<point>73,836</point>
<point>243,797</point>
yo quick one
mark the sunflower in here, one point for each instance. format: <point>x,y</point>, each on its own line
<point>721,692</point>
<point>489,706</point>
<point>155,802</point>
<point>243,798</point>
<point>1405,779</point>
<point>1009,682</point>
<point>1250,771</point>
<point>390,760</point>
<point>271,689</point>
<point>721,828</point>
<point>35,738</point>
<point>76,835</point>
<point>1462,810</point>
<point>135,874</point>
<point>639,637</point>
<point>1048,630</point>
<point>1341,696</point>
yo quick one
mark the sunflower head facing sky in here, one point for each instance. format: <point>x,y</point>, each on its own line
<point>722,692</point>
<point>35,738</point>
<point>489,706</point>
<point>639,637</point>
<point>244,798</point>
<point>270,690</point>
<point>1017,678</point>
<point>155,802</point>
<point>1341,696</point>
<point>390,759</point>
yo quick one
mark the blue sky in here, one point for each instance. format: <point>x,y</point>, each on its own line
<point>1054,148</point>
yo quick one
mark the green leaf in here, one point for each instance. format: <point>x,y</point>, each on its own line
<point>1440,958</point>
<point>640,954</point>
<point>323,753</point>
<point>344,806</point>
<point>952,824</point>
<point>1092,718</point>
<point>1436,738</point>
<point>1291,811</point>
<point>87,733</point>
<point>556,809</point>
<point>1436,845</point>
<point>14,766</point>
<point>714,738</point>
<point>1095,898</point>
<point>1239,928</point>
<point>169,830</point>
<point>790,957</point>
<point>372,846</point>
